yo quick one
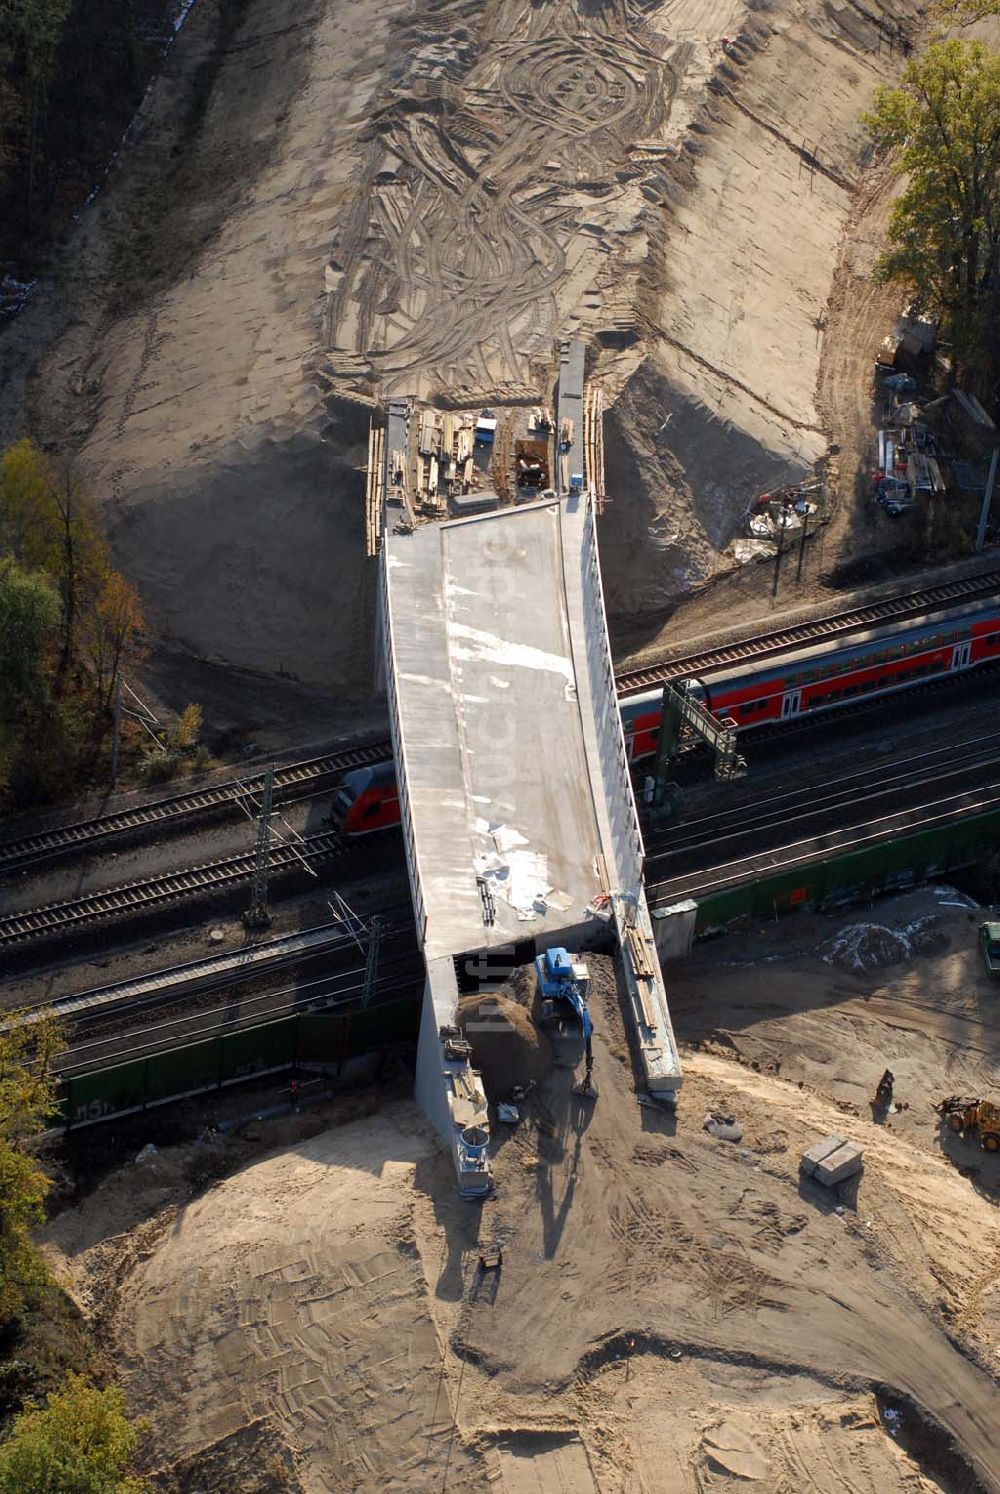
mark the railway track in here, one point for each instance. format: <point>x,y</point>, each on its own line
<point>298,780</point>
<point>400,970</point>
<point>783,640</point>
<point>878,785</point>
<point>134,897</point>
<point>292,781</point>
<point>837,828</point>
<point>686,850</point>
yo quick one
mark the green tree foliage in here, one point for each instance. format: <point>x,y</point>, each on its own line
<point>80,1442</point>
<point>58,679</point>
<point>23,1272</point>
<point>967,12</point>
<point>35,27</point>
<point>27,1100</point>
<point>47,519</point>
<point>944,120</point>
<point>30,33</point>
<point>29,621</point>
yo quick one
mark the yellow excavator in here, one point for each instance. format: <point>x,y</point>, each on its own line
<point>967,1117</point>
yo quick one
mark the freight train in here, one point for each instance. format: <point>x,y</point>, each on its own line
<point>821,677</point>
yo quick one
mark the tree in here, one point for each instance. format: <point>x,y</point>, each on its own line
<point>34,29</point>
<point>29,619</point>
<point>26,482</point>
<point>944,232</point>
<point>80,1442</point>
<point>48,520</point>
<point>184,737</point>
<point>115,632</point>
<point>967,12</point>
<point>28,1079</point>
<point>27,1099</point>
<point>23,1272</point>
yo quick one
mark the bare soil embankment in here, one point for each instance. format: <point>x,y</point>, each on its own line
<point>724,403</point>
<point>323,204</point>
<point>673,1311</point>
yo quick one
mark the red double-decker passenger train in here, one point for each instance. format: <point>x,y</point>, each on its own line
<point>819,678</point>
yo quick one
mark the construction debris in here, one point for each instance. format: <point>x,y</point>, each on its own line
<point>725,1127</point>
<point>783,510</point>
<point>832,1160</point>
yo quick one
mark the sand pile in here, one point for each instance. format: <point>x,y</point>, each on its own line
<point>873,946</point>
<point>507,1047</point>
<point>867,946</point>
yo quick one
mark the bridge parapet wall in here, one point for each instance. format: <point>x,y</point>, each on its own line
<point>627,847</point>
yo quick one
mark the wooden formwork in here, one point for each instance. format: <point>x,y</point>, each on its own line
<point>593,442</point>
<point>503,457</point>
<point>374,489</point>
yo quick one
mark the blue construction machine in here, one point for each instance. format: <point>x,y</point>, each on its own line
<point>563,982</point>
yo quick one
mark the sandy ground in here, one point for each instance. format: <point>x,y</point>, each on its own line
<point>320,204</point>
<point>674,1312</point>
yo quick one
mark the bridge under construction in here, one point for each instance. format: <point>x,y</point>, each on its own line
<point>518,817</point>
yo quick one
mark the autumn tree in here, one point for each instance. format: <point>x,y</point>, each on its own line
<point>184,737</point>
<point>114,632</point>
<point>27,1101</point>
<point>47,518</point>
<point>944,232</point>
<point>80,1442</point>
<point>29,621</point>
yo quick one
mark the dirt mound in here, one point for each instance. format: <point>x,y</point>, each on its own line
<point>507,1047</point>
<point>867,946</point>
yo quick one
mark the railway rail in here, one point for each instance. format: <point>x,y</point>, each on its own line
<point>292,780</point>
<point>785,829</point>
<point>837,823</point>
<point>399,971</point>
<point>784,640</point>
<point>300,779</point>
<point>876,785</point>
<point>133,897</point>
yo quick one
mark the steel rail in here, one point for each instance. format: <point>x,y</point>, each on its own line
<point>784,640</point>
<point>876,781</point>
<point>133,897</point>
<point>256,1008</point>
<point>700,882</point>
<point>15,854</point>
<point>124,1051</point>
<point>297,779</point>
<point>30,850</point>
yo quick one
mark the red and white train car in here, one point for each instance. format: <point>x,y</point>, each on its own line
<point>827,676</point>
<point>822,677</point>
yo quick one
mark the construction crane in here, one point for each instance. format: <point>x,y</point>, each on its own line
<point>565,981</point>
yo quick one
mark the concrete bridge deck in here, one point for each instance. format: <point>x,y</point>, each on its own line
<point>517,810</point>
<point>491,742</point>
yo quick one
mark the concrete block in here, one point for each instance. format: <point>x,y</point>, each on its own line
<point>843,1163</point>
<point>819,1152</point>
